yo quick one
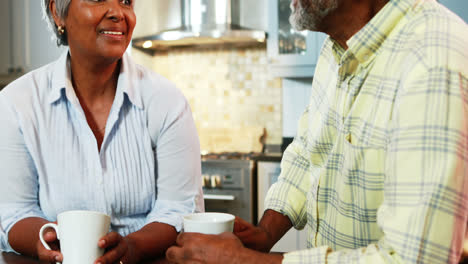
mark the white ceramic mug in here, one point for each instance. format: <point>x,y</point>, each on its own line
<point>209,223</point>
<point>79,233</point>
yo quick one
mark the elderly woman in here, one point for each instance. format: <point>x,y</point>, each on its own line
<point>95,131</point>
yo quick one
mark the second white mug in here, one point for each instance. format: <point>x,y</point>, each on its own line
<point>79,233</point>
<point>209,223</point>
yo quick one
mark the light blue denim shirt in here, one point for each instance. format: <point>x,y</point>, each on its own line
<point>148,169</point>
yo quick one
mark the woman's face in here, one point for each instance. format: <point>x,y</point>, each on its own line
<point>100,28</point>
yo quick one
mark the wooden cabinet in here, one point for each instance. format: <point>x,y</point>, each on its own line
<point>291,53</point>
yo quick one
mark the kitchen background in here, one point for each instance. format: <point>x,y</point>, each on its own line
<point>237,94</point>
<point>235,97</point>
<point>246,95</point>
<point>224,86</point>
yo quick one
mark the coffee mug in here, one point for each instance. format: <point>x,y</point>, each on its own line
<point>78,233</point>
<point>209,223</point>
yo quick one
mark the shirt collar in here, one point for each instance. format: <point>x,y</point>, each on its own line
<point>126,84</point>
<point>61,77</point>
<point>366,42</point>
<point>128,79</point>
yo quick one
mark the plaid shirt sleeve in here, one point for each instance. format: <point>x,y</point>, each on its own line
<point>424,212</point>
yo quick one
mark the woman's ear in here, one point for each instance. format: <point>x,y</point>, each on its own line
<point>53,11</point>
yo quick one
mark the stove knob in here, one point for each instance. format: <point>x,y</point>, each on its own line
<point>215,181</point>
<point>206,181</point>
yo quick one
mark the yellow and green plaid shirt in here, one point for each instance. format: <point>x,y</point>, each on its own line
<point>378,170</point>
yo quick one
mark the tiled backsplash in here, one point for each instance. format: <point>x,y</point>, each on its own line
<point>232,95</point>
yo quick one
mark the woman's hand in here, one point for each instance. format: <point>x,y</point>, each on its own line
<point>251,236</point>
<point>118,250</point>
<point>44,254</point>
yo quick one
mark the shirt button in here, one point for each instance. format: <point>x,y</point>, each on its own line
<point>99,181</point>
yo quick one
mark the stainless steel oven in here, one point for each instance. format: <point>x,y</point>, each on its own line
<point>229,185</point>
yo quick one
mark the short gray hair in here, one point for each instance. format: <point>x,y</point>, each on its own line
<point>62,11</point>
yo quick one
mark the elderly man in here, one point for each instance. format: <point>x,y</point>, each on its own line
<point>378,170</point>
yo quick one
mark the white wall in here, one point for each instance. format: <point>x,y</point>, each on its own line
<point>26,39</point>
<point>459,7</point>
<point>42,49</point>
<point>296,94</point>
<point>154,16</point>
<point>254,14</point>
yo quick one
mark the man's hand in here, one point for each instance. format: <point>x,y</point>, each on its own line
<point>225,248</point>
<point>465,251</point>
<point>251,236</point>
<point>200,248</point>
<point>51,256</point>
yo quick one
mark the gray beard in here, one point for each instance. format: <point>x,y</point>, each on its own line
<point>310,17</point>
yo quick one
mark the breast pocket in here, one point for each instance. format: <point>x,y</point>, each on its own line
<point>350,193</point>
<point>363,174</point>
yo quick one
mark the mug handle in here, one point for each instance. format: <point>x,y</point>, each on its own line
<point>41,233</point>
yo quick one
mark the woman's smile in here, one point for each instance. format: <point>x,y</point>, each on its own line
<point>100,29</point>
<point>113,34</point>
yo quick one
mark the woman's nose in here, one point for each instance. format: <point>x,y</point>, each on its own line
<point>115,12</point>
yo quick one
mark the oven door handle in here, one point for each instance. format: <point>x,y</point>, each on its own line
<point>219,197</point>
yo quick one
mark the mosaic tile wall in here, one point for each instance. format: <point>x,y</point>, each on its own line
<point>232,95</point>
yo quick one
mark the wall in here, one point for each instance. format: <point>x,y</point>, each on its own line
<point>154,16</point>
<point>5,58</point>
<point>296,95</point>
<point>231,92</point>
<point>41,46</point>
<point>232,95</point>
<point>459,7</point>
<point>27,41</point>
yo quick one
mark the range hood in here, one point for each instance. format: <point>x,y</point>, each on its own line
<point>204,23</point>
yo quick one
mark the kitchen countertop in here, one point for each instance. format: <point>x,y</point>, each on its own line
<point>5,79</point>
<point>268,157</point>
<point>255,156</point>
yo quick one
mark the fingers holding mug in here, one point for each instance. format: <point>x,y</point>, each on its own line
<point>48,248</point>
<point>49,255</point>
<point>79,232</point>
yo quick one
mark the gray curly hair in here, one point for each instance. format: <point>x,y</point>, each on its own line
<point>62,11</point>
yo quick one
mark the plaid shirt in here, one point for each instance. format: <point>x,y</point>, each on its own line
<point>378,170</point>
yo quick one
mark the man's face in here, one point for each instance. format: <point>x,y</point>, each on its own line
<point>309,14</point>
